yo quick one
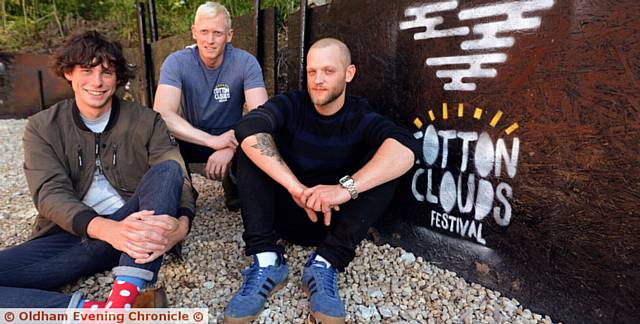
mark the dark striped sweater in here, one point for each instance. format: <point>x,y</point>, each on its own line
<point>317,148</point>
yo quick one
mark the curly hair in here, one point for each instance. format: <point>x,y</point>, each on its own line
<point>91,49</point>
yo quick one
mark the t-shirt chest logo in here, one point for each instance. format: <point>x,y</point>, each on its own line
<point>221,92</point>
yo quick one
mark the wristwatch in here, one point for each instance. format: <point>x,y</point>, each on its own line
<point>348,183</point>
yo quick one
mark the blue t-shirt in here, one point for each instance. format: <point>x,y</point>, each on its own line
<point>212,99</point>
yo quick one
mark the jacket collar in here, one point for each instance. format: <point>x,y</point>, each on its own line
<point>115,111</point>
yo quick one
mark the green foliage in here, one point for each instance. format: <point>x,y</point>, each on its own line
<point>176,16</point>
<point>37,25</point>
<point>283,8</point>
<point>40,25</point>
<point>14,36</point>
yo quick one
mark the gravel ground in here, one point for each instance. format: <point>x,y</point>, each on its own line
<point>382,285</point>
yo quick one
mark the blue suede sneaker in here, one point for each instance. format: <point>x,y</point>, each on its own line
<point>320,284</point>
<point>259,283</point>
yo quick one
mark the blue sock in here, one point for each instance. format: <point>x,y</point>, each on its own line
<point>132,280</point>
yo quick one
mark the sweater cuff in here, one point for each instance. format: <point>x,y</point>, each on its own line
<point>184,211</point>
<point>81,222</point>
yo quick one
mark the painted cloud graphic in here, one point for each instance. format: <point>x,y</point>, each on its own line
<point>515,21</point>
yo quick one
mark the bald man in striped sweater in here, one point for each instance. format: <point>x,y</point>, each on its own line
<point>317,168</point>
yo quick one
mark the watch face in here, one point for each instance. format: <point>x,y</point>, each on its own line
<point>348,183</point>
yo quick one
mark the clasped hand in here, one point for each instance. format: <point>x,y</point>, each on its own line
<point>224,140</point>
<point>145,236</point>
<point>321,198</point>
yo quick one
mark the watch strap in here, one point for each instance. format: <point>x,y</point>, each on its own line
<point>348,183</point>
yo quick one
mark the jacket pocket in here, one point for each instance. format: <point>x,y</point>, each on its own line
<point>76,165</point>
<point>116,166</point>
<point>80,159</point>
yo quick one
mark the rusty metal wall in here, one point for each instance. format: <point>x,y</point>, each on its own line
<point>5,80</point>
<point>19,85</point>
<point>528,112</point>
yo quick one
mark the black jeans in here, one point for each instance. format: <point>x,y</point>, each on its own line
<point>194,153</point>
<point>269,212</point>
<point>31,271</point>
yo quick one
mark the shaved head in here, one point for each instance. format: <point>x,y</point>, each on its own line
<point>329,69</point>
<point>343,50</point>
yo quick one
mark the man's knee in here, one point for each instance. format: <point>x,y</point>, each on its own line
<point>170,170</point>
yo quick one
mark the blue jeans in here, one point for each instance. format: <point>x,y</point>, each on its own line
<point>30,272</point>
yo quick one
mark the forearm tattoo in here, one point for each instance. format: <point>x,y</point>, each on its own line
<point>267,146</point>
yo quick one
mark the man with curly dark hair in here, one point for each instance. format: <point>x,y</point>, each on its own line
<point>108,182</point>
<point>91,49</point>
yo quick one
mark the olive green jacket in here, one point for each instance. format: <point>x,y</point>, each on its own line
<point>60,155</point>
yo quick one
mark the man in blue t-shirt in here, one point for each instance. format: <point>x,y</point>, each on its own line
<point>211,81</point>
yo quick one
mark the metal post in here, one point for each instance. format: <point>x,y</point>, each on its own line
<point>303,44</point>
<point>276,54</point>
<point>257,19</point>
<point>142,33</point>
<point>153,20</point>
<point>41,87</point>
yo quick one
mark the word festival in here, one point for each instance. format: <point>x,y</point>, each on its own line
<point>463,179</point>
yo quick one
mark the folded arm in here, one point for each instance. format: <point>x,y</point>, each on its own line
<point>261,149</point>
<point>167,103</point>
<point>389,162</point>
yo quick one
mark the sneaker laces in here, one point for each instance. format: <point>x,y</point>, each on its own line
<point>252,277</point>
<point>328,278</point>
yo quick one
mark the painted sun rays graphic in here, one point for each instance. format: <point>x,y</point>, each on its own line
<point>426,20</point>
<point>478,113</point>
